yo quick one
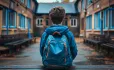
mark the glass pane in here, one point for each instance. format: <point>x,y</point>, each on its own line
<point>4,17</point>
<point>71,22</point>
<point>40,21</point>
<point>74,22</point>
<point>107,18</point>
<point>47,22</point>
<point>12,18</point>
<point>29,22</point>
<point>112,18</point>
<point>66,22</point>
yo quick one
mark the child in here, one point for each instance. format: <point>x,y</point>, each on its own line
<point>57,45</point>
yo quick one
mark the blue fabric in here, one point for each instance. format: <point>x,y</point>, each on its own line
<point>63,30</point>
<point>57,51</point>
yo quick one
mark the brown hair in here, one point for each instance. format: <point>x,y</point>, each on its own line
<point>57,14</point>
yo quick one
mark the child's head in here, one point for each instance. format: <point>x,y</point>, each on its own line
<point>57,15</point>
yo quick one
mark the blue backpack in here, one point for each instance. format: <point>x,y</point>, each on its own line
<point>57,51</point>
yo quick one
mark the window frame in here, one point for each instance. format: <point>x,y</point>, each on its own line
<point>73,22</point>
<point>39,22</point>
<point>29,23</point>
<point>21,20</point>
<point>89,22</point>
<point>106,25</point>
<point>22,1</point>
<point>47,20</point>
<point>111,18</point>
<point>5,22</point>
<point>15,19</point>
<point>98,20</point>
<point>89,2</point>
<point>29,3</point>
<point>82,4</point>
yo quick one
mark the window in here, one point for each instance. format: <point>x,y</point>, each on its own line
<point>47,22</point>
<point>83,4</point>
<point>112,17</point>
<point>12,19</point>
<point>29,23</point>
<point>106,18</point>
<point>9,17</point>
<point>89,2</point>
<point>39,22</point>
<point>22,21</point>
<point>5,17</point>
<point>112,22</point>
<point>97,21</point>
<point>22,1</point>
<point>29,3</point>
<point>89,22</point>
<point>73,22</point>
<point>26,22</point>
<point>66,22</point>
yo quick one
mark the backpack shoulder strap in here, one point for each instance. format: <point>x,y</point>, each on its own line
<point>45,38</point>
<point>67,36</point>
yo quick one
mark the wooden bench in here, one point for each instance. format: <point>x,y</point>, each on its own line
<point>3,50</point>
<point>95,40</point>
<point>109,46</point>
<point>13,46</point>
<point>15,41</point>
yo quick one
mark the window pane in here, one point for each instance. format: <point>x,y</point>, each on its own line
<point>22,1</point>
<point>26,23</point>
<point>112,18</point>
<point>71,22</point>
<point>40,21</point>
<point>74,22</point>
<point>28,3</point>
<point>4,17</point>
<point>107,18</point>
<point>22,21</point>
<point>90,22</point>
<point>47,22</point>
<point>12,18</point>
<point>66,23</point>
<point>97,20</point>
<point>29,23</point>
<point>83,4</point>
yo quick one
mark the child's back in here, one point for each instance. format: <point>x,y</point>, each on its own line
<point>57,46</point>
